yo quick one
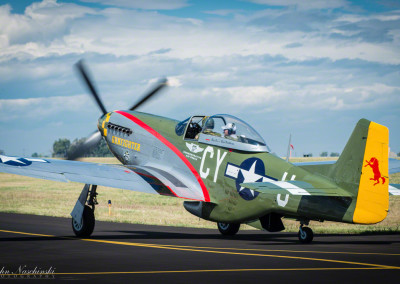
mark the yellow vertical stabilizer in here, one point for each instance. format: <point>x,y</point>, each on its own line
<point>373,192</point>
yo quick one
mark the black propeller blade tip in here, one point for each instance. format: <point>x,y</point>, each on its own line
<point>83,72</point>
<point>162,83</point>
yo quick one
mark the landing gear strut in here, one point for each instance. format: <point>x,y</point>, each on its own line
<point>228,229</point>
<point>83,220</point>
<point>305,234</point>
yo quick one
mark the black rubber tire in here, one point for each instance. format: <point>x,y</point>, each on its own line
<point>307,235</point>
<point>228,229</point>
<point>88,222</point>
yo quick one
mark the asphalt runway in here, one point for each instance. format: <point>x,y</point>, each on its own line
<point>156,254</point>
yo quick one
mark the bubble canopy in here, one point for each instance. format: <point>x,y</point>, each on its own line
<point>223,130</point>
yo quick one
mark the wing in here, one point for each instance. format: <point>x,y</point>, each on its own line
<point>143,179</point>
<point>294,188</point>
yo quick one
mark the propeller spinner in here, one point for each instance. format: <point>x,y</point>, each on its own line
<point>93,140</point>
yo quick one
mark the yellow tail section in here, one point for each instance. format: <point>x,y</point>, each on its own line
<point>373,192</point>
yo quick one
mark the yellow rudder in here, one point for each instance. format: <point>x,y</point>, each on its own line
<point>373,193</point>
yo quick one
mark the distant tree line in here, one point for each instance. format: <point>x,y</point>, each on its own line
<point>62,146</point>
<point>38,155</point>
<point>333,154</point>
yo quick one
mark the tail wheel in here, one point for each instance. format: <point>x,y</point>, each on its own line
<point>306,235</point>
<point>228,229</point>
<point>86,227</point>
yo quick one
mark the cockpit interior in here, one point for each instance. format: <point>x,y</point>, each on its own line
<point>222,130</point>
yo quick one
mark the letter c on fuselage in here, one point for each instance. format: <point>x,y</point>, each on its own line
<point>204,174</point>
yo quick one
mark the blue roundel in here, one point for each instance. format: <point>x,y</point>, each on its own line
<point>251,170</point>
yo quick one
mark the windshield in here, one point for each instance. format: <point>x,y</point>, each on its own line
<point>180,127</point>
<point>232,128</point>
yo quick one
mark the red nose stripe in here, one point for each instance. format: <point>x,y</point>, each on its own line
<point>172,147</point>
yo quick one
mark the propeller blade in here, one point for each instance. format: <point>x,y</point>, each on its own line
<point>81,149</point>
<point>156,88</point>
<point>83,71</point>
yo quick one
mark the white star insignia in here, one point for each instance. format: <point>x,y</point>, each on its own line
<point>250,176</point>
<point>5,159</point>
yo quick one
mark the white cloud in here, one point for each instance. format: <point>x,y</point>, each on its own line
<point>42,22</point>
<point>309,96</point>
<point>251,95</point>
<point>242,64</point>
<point>223,12</point>
<point>305,5</point>
<point>174,82</point>
<point>39,108</point>
<point>353,18</point>
<point>49,28</point>
<point>147,5</point>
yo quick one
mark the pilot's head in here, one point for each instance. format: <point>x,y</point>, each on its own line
<point>229,129</point>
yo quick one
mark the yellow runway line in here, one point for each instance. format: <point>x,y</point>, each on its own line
<point>29,234</point>
<point>241,253</point>
<point>295,251</point>
<point>200,271</point>
<point>213,251</point>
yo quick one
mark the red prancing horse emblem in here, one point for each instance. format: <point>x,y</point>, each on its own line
<point>374,164</point>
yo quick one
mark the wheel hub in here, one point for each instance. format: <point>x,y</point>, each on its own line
<point>77,225</point>
<point>303,234</point>
<point>224,226</point>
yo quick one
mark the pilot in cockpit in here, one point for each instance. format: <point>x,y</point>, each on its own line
<point>230,131</point>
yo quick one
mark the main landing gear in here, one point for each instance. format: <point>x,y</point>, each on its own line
<point>83,220</point>
<point>228,229</point>
<point>305,234</point>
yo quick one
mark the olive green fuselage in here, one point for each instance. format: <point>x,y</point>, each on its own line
<point>223,170</point>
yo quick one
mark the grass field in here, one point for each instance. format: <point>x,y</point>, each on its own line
<point>20,194</point>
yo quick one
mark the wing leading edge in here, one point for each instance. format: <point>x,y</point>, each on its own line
<point>117,176</point>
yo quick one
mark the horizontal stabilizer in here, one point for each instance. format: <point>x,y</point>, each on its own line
<point>294,188</point>
<point>394,165</point>
<point>394,189</point>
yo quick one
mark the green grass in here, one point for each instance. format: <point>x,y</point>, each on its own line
<point>19,194</point>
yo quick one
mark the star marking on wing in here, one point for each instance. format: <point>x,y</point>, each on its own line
<point>19,161</point>
<point>5,159</point>
<point>250,176</point>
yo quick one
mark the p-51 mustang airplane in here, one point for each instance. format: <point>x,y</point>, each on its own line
<point>224,170</point>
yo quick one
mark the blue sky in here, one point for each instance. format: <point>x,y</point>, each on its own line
<point>310,68</point>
